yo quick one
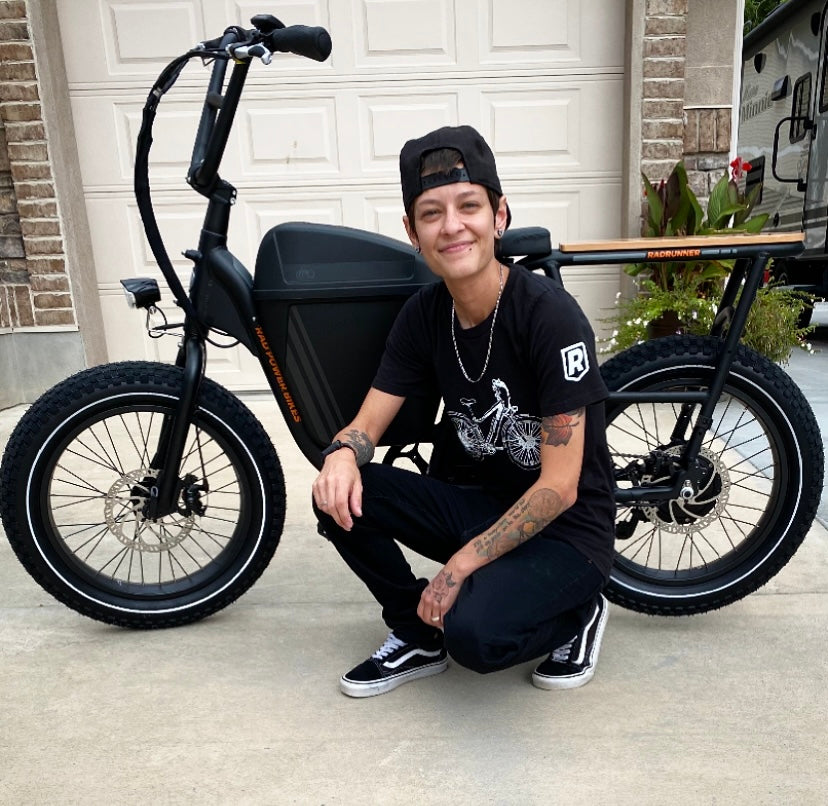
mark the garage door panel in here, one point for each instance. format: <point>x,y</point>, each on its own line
<point>573,33</point>
<point>120,247</point>
<point>387,121</point>
<point>559,212</point>
<point>133,343</point>
<point>116,121</point>
<point>262,214</point>
<point>595,288</point>
<point>295,138</point>
<point>124,27</point>
<point>529,29</point>
<point>552,128</point>
<point>395,33</point>
<point>119,40</point>
<point>568,212</point>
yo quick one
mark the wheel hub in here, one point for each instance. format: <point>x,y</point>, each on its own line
<point>702,506</point>
<point>124,513</point>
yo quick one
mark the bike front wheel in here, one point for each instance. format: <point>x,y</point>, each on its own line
<point>78,471</point>
<point>761,469</point>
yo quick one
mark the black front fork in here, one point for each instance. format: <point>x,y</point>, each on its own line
<point>164,494</point>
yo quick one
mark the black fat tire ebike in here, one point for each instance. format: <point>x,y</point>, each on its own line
<point>146,495</point>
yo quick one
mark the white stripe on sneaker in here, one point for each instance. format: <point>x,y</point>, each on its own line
<point>393,664</point>
<point>585,635</point>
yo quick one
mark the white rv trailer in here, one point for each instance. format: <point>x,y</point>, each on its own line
<point>783,132</point>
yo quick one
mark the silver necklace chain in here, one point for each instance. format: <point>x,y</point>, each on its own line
<point>491,335</point>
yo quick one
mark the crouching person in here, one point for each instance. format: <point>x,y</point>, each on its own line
<point>526,552</point>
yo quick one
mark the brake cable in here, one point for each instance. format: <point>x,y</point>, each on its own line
<point>169,75</point>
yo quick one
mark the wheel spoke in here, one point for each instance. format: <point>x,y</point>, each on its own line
<point>684,540</point>
<point>96,500</point>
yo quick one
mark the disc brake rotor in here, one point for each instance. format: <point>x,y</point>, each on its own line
<point>123,511</point>
<point>700,509</point>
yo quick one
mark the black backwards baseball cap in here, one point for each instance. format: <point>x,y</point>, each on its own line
<point>478,163</point>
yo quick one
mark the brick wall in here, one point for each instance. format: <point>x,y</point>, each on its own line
<point>34,286</point>
<point>706,147</point>
<point>671,129</point>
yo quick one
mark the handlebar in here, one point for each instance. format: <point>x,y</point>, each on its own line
<point>312,42</point>
<point>268,35</point>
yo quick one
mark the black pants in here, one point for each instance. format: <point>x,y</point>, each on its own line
<point>517,608</point>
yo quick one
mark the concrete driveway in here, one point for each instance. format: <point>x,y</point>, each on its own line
<point>244,707</point>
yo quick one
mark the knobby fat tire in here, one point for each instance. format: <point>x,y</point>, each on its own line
<point>787,418</point>
<point>123,394</point>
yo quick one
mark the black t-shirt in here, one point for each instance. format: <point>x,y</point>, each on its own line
<point>542,363</point>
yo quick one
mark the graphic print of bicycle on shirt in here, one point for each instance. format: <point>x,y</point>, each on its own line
<point>517,434</point>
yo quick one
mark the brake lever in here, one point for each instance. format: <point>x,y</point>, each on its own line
<point>258,51</point>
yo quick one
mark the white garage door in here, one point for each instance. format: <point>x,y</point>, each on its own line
<point>541,79</point>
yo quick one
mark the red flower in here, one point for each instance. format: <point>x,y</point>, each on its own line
<point>739,168</point>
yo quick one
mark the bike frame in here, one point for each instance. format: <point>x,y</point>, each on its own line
<point>220,295</point>
<point>752,255</point>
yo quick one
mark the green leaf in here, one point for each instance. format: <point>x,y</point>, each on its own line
<point>753,196</point>
<point>718,204</point>
<point>724,216</point>
<point>713,271</point>
<point>673,191</point>
<point>656,208</point>
<point>753,225</point>
<point>732,193</point>
<point>683,214</point>
<point>696,217</point>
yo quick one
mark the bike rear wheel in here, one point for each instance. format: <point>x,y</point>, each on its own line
<point>77,473</point>
<point>762,466</point>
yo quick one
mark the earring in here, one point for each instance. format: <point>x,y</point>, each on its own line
<point>500,233</point>
<point>417,249</point>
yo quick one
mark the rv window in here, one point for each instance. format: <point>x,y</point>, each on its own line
<point>823,96</point>
<point>801,106</point>
<point>755,177</point>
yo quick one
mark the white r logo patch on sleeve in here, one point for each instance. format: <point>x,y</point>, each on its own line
<point>575,361</point>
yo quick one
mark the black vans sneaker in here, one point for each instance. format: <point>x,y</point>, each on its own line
<point>393,664</point>
<point>573,664</point>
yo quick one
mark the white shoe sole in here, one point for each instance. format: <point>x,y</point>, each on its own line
<point>355,689</point>
<point>549,683</point>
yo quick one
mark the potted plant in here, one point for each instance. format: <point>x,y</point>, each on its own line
<point>681,296</point>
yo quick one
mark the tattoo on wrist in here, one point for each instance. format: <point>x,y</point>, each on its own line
<point>361,445</point>
<point>557,429</point>
<point>524,520</point>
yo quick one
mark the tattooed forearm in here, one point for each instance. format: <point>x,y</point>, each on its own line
<point>557,429</point>
<point>525,519</point>
<point>361,444</point>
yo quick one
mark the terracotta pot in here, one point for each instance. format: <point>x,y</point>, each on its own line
<point>668,324</point>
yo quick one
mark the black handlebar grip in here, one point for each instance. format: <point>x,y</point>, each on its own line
<point>310,42</point>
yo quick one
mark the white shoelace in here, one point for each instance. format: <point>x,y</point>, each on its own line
<point>391,644</point>
<point>561,654</point>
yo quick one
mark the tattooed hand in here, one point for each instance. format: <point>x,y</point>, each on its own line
<point>438,597</point>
